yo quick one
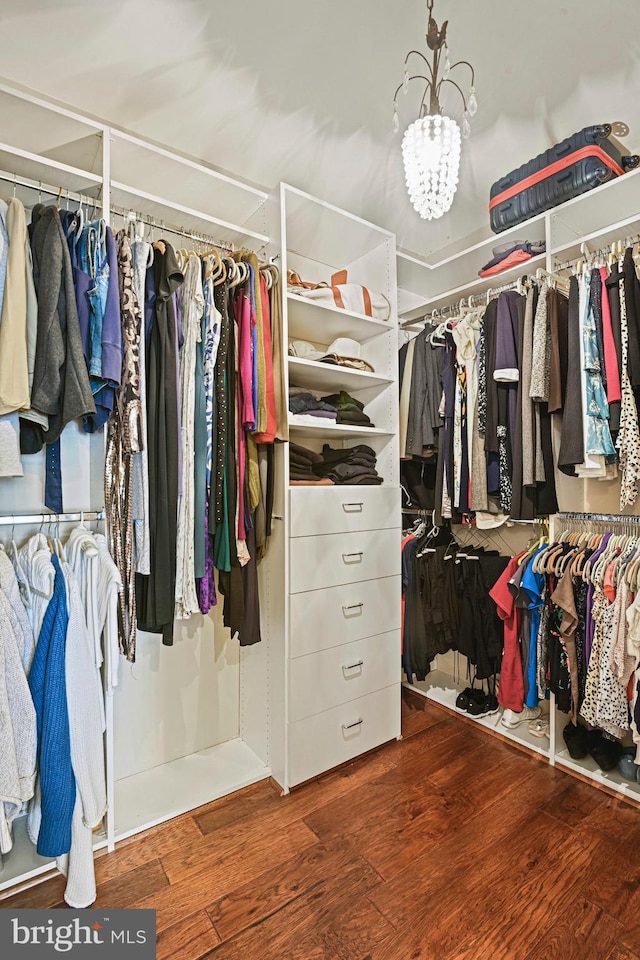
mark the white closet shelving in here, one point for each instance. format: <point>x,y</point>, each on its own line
<point>187,723</point>
<point>198,720</point>
<point>332,574</point>
<point>610,212</point>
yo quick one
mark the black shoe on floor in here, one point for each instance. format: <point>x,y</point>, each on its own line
<point>485,707</point>
<point>606,752</point>
<point>577,739</point>
<point>463,698</point>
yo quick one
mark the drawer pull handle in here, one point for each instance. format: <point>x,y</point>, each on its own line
<point>353,666</point>
<point>351,606</point>
<point>353,507</point>
<point>348,557</point>
<point>350,726</point>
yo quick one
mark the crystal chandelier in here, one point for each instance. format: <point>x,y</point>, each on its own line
<point>431,144</point>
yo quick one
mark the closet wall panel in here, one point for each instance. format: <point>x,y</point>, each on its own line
<point>177,700</point>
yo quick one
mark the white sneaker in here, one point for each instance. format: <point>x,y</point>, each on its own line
<point>511,719</point>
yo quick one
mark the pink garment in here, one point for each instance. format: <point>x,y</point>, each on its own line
<point>612,371</point>
<point>245,362</point>
<point>241,452</point>
<point>270,433</point>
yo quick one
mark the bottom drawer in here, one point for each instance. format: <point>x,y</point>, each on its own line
<point>327,739</point>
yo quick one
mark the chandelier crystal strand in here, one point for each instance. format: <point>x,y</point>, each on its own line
<point>431,154</point>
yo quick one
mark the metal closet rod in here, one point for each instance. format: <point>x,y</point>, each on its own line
<point>50,190</point>
<point>126,212</point>
<point>599,517</point>
<point>599,254</point>
<point>475,300</point>
<point>52,517</point>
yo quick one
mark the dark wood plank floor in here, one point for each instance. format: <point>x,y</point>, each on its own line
<point>449,845</point>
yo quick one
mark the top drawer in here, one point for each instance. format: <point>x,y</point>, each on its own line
<point>343,509</point>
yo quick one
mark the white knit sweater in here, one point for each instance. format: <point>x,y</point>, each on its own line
<point>17,726</point>
<point>10,588</point>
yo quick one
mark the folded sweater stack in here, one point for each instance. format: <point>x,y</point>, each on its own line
<point>352,465</point>
<point>306,406</point>
<point>349,410</point>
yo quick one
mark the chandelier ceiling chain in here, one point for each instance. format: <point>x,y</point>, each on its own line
<point>431,144</point>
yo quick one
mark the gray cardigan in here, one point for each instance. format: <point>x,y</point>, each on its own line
<point>61,386</point>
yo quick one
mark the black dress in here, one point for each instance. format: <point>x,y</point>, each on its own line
<point>572,442</point>
<point>156,592</point>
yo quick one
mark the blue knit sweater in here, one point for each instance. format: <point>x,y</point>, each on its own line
<point>47,683</point>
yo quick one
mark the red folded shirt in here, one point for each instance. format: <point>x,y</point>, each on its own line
<point>512,260</point>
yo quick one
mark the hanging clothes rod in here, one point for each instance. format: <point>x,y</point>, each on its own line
<point>600,254</point>
<point>130,215</point>
<point>127,213</point>
<point>41,518</point>
<point>475,300</point>
<point>51,191</point>
<point>598,517</point>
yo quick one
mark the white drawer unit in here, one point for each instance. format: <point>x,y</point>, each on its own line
<point>326,561</point>
<point>323,680</point>
<point>319,619</point>
<point>343,509</point>
<point>342,733</point>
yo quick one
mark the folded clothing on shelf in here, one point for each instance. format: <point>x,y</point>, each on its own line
<point>508,255</point>
<point>304,403</point>
<point>301,462</point>
<point>343,352</point>
<point>349,410</point>
<point>351,465</point>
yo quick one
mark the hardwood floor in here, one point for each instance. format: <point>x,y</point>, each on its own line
<point>449,845</point>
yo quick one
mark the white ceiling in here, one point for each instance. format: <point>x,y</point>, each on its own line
<point>273,90</point>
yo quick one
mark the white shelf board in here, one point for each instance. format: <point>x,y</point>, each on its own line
<point>476,287</point>
<point>340,431</point>
<point>195,184</point>
<point>179,215</point>
<point>323,232</point>
<point>600,239</point>
<point>32,166</point>
<point>589,768</point>
<point>167,791</point>
<point>425,278</point>
<point>331,377</point>
<point>22,863</point>
<point>441,688</point>
<point>459,250</point>
<point>309,319</point>
<point>594,212</point>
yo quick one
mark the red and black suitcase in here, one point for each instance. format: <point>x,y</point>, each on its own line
<point>578,164</point>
